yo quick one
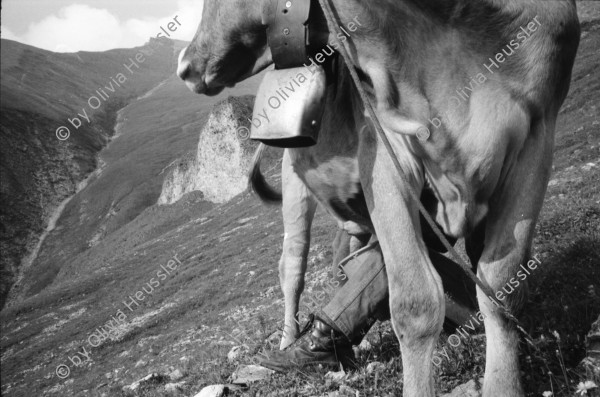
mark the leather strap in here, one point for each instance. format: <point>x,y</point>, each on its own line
<point>287,22</point>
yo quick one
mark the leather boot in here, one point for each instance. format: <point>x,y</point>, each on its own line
<point>318,344</point>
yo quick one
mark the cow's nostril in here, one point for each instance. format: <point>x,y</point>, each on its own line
<point>184,69</point>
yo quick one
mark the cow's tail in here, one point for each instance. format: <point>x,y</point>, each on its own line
<point>257,181</point>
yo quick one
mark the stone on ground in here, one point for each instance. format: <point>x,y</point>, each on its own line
<point>469,389</point>
<point>136,385</point>
<point>212,391</point>
<point>174,387</point>
<point>375,366</point>
<point>336,376</point>
<point>234,354</point>
<point>175,375</point>
<point>251,373</point>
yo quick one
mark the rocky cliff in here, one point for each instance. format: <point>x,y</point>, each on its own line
<point>219,166</point>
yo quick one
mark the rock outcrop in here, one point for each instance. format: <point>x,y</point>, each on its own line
<point>220,165</point>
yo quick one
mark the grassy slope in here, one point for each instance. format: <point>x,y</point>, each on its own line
<point>229,255</point>
<point>152,136</point>
<point>41,90</point>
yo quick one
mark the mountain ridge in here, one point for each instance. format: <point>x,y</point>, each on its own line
<point>36,101</point>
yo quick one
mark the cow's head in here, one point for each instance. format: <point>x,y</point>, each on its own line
<point>229,46</point>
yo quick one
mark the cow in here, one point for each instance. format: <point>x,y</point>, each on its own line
<point>489,78</point>
<point>298,209</point>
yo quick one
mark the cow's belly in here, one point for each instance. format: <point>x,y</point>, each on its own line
<point>336,184</point>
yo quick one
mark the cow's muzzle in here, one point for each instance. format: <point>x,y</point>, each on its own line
<point>195,77</point>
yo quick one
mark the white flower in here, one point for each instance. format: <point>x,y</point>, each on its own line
<point>583,387</point>
<point>556,335</point>
<point>547,394</point>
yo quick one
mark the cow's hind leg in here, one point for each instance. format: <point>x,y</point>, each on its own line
<point>509,230</point>
<point>298,211</point>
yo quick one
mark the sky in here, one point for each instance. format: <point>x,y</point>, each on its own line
<point>95,25</point>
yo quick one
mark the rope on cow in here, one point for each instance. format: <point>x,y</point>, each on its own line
<point>334,26</point>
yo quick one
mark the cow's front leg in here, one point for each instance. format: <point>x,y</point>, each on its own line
<point>416,292</point>
<point>505,263</point>
<point>298,211</point>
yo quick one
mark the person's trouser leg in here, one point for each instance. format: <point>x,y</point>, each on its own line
<point>363,298</point>
<point>343,245</point>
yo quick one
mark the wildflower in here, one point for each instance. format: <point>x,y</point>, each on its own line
<point>547,394</point>
<point>556,335</point>
<point>583,387</point>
